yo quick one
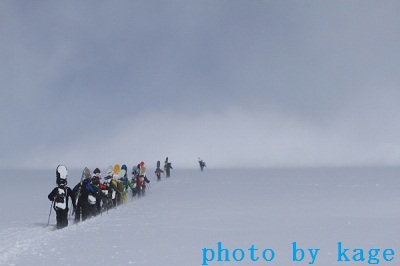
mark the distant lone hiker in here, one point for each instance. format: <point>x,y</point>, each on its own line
<point>167,167</point>
<point>202,164</point>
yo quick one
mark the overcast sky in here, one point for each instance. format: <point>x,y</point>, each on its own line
<point>237,83</point>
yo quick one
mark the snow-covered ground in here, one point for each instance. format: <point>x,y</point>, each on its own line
<point>183,220</point>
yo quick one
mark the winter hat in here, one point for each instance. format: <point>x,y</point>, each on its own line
<point>97,173</point>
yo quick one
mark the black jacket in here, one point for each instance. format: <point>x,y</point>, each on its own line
<point>69,193</point>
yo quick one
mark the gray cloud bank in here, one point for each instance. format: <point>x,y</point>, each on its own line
<point>238,83</point>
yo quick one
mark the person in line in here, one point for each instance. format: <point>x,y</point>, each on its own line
<point>59,196</point>
<point>158,171</point>
<point>82,191</point>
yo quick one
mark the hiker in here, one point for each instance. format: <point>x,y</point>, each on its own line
<point>117,186</point>
<point>141,180</point>
<point>135,176</point>
<point>167,167</point>
<point>202,164</point>
<point>142,173</point>
<point>113,190</point>
<point>158,171</point>
<point>125,183</point>
<point>95,201</point>
<point>107,190</point>
<point>59,196</point>
<point>83,190</point>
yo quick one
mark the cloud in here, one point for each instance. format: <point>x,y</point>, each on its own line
<point>237,137</point>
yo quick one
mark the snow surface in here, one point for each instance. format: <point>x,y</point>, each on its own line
<point>193,210</point>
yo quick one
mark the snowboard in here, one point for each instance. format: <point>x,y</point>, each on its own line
<point>142,169</point>
<point>116,170</point>
<point>122,173</point>
<point>61,173</point>
<point>135,171</point>
<point>110,170</point>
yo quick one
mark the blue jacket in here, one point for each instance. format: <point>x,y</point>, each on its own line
<point>86,189</point>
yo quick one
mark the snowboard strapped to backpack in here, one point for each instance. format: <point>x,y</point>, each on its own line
<point>61,175</point>
<point>60,199</point>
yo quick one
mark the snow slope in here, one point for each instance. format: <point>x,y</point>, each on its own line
<point>181,220</point>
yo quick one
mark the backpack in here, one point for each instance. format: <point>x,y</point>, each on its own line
<point>60,200</point>
<point>120,186</point>
<point>139,181</point>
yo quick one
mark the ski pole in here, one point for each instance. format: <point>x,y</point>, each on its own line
<point>51,207</point>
